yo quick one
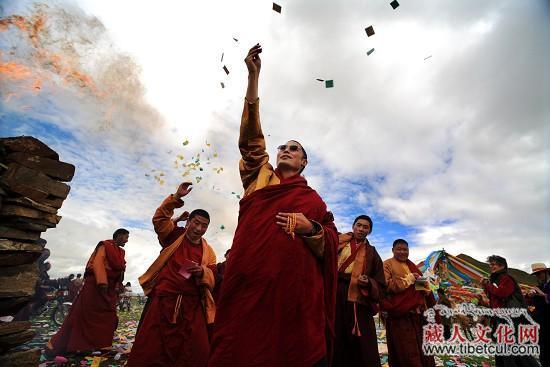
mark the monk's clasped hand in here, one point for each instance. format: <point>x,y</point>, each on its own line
<point>294,223</point>
<point>363,280</point>
<point>196,271</point>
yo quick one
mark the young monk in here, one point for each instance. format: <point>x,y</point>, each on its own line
<point>92,320</point>
<point>360,283</point>
<point>173,327</point>
<point>276,306</point>
<point>404,307</point>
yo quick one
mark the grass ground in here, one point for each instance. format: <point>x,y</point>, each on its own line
<point>125,334</point>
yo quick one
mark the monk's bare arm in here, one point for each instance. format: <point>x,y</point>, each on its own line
<point>162,220</point>
<point>98,266</point>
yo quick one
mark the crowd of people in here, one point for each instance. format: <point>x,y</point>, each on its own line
<point>292,291</point>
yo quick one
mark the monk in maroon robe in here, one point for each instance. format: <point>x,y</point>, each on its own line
<point>276,306</point>
<point>92,320</point>
<point>173,326</point>
<point>360,283</point>
<point>404,306</point>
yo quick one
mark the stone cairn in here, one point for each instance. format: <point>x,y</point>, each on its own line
<point>32,189</point>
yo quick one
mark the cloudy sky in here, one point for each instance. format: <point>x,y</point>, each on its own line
<point>439,134</point>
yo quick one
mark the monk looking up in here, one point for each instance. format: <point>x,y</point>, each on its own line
<point>92,320</point>
<point>173,327</point>
<point>404,306</point>
<point>360,282</point>
<point>276,304</point>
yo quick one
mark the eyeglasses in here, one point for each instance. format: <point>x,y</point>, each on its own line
<point>292,148</point>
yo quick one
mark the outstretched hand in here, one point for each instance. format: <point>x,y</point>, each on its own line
<point>253,61</point>
<point>183,189</point>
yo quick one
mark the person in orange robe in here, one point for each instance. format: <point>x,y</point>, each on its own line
<point>173,327</point>
<point>404,306</point>
<point>360,283</point>
<point>92,320</point>
<point>276,303</point>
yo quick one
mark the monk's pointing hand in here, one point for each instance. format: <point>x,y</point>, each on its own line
<point>303,225</point>
<point>183,189</point>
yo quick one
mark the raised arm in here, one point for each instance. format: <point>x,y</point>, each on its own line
<point>251,138</point>
<point>162,220</point>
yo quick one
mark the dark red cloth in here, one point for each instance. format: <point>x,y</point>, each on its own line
<point>404,325</point>
<point>276,306</point>
<point>352,350</point>
<point>73,291</point>
<point>220,270</point>
<point>359,350</point>
<point>92,320</point>
<point>401,303</point>
<point>115,257</point>
<point>159,342</point>
<point>502,289</point>
<point>404,338</point>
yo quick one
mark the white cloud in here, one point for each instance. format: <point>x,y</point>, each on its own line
<point>456,138</point>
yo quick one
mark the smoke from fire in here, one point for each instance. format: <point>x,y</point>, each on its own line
<point>61,59</point>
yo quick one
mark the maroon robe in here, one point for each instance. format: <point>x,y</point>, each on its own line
<point>92,320</point>
<point>163,340</point>
<point>358,347</point>
<point>404,325</point>
<point>276,306</point>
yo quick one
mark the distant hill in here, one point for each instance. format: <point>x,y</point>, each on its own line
<point>521,276</point>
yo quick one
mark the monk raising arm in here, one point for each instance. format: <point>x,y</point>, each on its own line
<point>254,167</point>
<point>162,220</point>
<point>251,138</point>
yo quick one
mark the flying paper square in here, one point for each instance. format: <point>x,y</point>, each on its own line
<point>394,4</point>
<point>277,8</point>
<point>370,51</point>
<point>369,30</point>
<point>226,69</point>
<point>329,83</point>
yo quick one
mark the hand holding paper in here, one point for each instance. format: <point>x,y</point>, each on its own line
<point>188,268</point>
